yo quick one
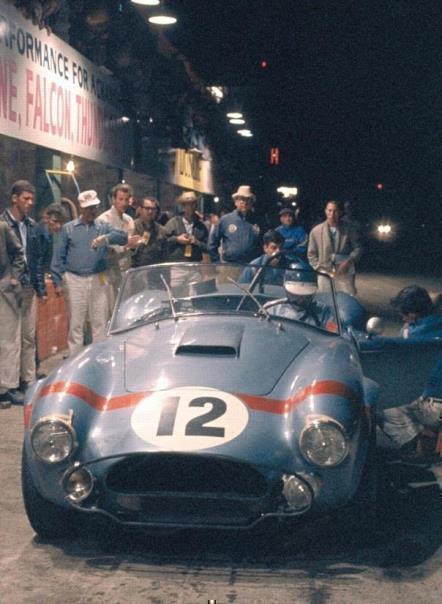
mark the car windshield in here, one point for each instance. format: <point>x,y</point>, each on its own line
<point>166,291</point>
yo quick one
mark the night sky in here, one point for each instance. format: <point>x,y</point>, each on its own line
<point>351,94</point>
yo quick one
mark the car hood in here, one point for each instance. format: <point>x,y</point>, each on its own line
<point>237,355</point>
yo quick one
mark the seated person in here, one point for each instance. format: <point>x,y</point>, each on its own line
<point>406,425</point>
<point>272,257</point>
<point>300,286</point>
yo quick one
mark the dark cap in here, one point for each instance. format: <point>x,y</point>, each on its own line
<point>287,211</point>
<point>413,299</point>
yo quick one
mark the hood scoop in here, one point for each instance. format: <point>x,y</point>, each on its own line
<point>225,342</point>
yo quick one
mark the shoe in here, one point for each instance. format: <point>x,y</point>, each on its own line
<point>420,451</point>
<point>5,403</point>
<point>15,396</point>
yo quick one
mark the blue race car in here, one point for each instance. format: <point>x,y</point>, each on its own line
<point>212,403</point>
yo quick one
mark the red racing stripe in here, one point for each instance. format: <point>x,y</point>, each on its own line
<point>256,403</point>
<point>94,400</point>
<point>259,403</point>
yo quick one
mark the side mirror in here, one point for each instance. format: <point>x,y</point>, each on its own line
<point>375,326</point>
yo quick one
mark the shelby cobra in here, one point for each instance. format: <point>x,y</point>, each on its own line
<point>221,397</point>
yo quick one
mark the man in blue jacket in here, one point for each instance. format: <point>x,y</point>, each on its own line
<point>237,233</point>
<point>80,263</point>
<point>295,237</point>
<point>406,425</point>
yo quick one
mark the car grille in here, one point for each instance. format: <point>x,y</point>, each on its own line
<point>166,489</point>
<point>185,474</point>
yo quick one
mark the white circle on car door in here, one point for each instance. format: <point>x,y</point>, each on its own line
<point>188,419</point>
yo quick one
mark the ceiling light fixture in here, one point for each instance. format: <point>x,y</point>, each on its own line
<point>245,132</point>
<point>146,2</point>
<point>162,16</point>
<point>236,115</point>
<point>237,120</point>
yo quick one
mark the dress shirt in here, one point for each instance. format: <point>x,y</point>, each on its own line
<point>73,252</point>
<point>118,256</point>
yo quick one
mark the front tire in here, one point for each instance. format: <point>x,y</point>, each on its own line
<point>48,520</point>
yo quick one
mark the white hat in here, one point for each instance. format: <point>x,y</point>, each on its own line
<point>244,191</point>
<point>88,198</point>
<point>187,197</point>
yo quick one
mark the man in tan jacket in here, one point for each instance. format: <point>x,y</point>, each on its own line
<point>334,248</point>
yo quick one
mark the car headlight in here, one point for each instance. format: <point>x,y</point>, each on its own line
<point>78,484</point>
<point>53,440</point>
<point>324,443</point>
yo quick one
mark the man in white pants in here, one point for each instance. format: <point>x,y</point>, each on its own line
<point>119,258</point>
<point>12,266</point>
<point>80,262</point>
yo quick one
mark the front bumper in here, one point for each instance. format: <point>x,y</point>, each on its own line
<point>166,490</point>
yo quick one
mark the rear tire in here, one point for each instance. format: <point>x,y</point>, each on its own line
<point>48,520</point>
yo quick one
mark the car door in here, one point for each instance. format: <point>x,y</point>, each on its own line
<point>400,366</point>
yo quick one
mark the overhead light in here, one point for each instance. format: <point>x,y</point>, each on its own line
<point>217,93</point>
<point>236,115</point>
<point>162,17</point>
<point>245,132</point>
<point>237,120</point>
<point>70,166</point>
<point>287,191</point>
<point>146,2</point>
<point>125,119</point>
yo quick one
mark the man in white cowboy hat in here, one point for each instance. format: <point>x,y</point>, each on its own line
<point>186,238</point>
<point>80,263</point>
<point>237,233</point>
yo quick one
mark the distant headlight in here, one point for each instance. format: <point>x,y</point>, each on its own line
<point>53,440</point>
<point>324,444</point>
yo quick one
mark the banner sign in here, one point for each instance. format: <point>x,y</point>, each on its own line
<point>50,95</point>
<point>190,171</point>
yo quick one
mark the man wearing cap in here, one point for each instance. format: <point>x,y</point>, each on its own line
<point>119,256</point>
<point>80,262</point>
<point>18,219</point>
<point>236,232</point>
<point>186,238</point>
<point>334,248</point>
<point>186,233</point>
<point>295,237</point>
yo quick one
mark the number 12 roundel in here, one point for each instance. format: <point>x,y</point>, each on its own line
<point>188,419</point>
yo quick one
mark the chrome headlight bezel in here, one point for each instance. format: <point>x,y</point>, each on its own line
<point>76,495</point>
<point>319,424</point>
<point>66,427</point>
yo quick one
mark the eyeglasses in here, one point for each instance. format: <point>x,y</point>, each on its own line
<point>149,209</point>
<point>239,198</point>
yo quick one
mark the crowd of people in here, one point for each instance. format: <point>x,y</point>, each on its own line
<point>87,258</point>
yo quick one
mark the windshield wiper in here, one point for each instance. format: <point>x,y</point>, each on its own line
<point>248,293</point>
<point>172,300</point>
